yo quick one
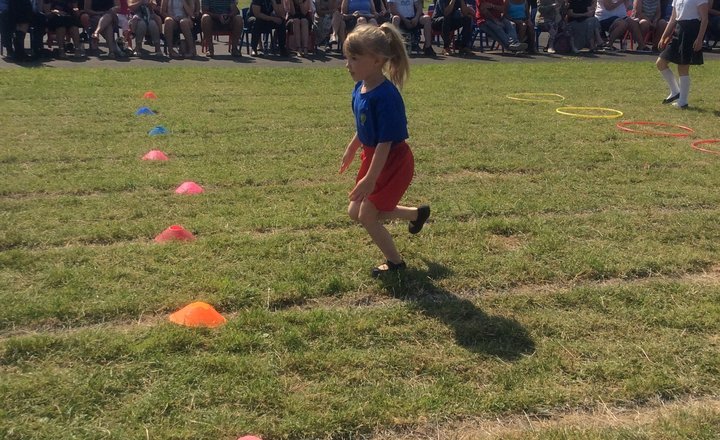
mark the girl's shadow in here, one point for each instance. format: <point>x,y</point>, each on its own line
<point>474,329</point>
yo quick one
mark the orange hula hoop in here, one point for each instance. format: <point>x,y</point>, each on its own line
<point>624,127</point>
<point>696,145</point>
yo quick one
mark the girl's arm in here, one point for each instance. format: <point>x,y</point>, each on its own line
<point>366,185</point>
<point>591,10</point>
<point>449,8</point>
<point>350,153</point>
<point>527,12</point>
<point>669,29</point>
<point>703,9</point>
<point>637,9</point>
<point>279,9</point>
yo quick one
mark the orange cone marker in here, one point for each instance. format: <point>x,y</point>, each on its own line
<point>155,155</point>
<point>189,188</point>
<point>198,314</point>
<point>174,232</point>
<point>150,95</point>
<point>249,437</point>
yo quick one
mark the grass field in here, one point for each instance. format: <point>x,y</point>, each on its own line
<point>566,286</point>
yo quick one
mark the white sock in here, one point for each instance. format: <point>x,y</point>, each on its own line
<point>670,80</point>
<point>684,90</point>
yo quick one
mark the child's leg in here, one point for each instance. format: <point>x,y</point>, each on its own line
<point>684,73</point>
<point>155,36</point>
<point>140,31</point>
<point>663,66</point>
<point>401,212</point>
<point>369,217</point>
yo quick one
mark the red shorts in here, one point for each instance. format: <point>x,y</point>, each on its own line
<point>394,179</point>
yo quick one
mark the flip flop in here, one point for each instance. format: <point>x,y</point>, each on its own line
<point>389,267</point>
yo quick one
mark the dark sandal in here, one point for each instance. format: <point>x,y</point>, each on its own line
<point>389,267</point>
<point>422,215</point>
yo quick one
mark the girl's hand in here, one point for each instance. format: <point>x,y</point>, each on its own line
<point>663,42</point>
<point>346,160</point>
<point>698,44</point>
<point>362,189</point>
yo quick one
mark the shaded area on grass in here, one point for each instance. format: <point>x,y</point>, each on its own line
<point>474,329</point>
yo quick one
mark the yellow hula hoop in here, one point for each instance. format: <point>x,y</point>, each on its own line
<point>535,97</point>
<point>570,111</point>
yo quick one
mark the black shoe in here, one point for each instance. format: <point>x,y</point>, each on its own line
<point>389,266</point>
<point>671,99</point>
<point>429,52</point>
<point>423,213</point>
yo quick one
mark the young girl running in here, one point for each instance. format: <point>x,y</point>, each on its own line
<point>691,18</point>
<point>381,129</point>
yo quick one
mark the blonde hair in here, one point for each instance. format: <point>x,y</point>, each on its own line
<point>385,42</point>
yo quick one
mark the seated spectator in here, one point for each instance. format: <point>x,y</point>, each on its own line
<point>549,18</point>
<point>5,32</point>
<point>355,12</point>
<point>179,19</point>
<point>326,19</point>
<point>614,21</point>
<point>491,20</point>
<point>221,15</point>
<point>584,26</point>
<point>647,14</point>
<point>450,16</point>
<point>407,15</point>
<point>61,20</point>
<point>267,15</point>
<point>298,24</point>
<point>518,12</point>
<point>101,15</point>
<point>145,19</point>
<point>21,17</point>
<point>713,26</point>
<point>383,11</point>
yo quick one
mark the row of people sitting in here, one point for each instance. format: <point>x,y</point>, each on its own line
<point>571,24</point>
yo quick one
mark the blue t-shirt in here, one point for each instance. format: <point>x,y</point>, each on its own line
<point>362,6</point>
<point>379,114</point>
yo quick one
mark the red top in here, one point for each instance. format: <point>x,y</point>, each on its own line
<point>496,14</point>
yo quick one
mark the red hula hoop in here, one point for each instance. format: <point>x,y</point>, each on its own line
<point>624,127</point>
<point>696,145</point>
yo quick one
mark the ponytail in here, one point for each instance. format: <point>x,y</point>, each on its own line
<point>384,41</point>
<point>398,65</point>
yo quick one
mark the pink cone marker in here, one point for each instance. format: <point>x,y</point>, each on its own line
<point>155,155</point>
<point>189,188</point>
<point>175,232</point>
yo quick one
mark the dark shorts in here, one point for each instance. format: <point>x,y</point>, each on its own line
<point>219,26</point>
<point>608,22</point>
<point>680,50</point>
<point>406,29</point>
<point>394,179</point>
<point>289,24</point>
<point>350,24</point>
<point>55,21</point>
